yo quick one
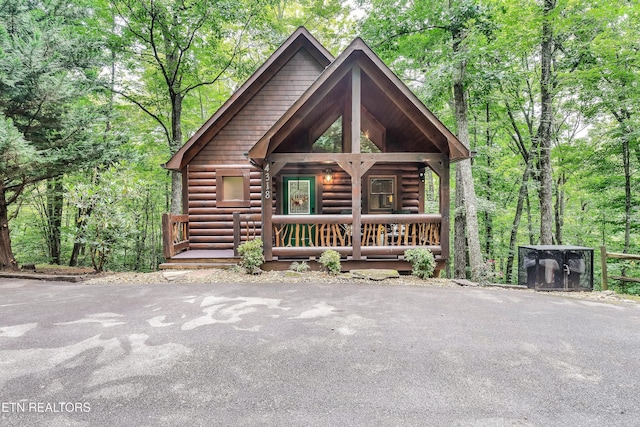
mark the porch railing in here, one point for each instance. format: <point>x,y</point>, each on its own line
<point>307,235</point>
<point>251,223</point>
<point>175,234</point>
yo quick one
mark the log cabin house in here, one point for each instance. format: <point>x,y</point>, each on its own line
<point>309,150</point>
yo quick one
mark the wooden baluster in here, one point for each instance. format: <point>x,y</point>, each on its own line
<point>339,234</point>
<point>315,240</point>
<point>276,233</point>
<point>290,229</point>
<point>396,235</point>
<point>365,237</point>
<point>405,231</point>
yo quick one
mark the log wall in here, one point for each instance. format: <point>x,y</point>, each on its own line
<point>336,197</point>
<point>261,112</point>
<point>210,226</point>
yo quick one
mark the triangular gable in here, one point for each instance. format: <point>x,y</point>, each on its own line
<point>358,53</point>
<point>300,39</point>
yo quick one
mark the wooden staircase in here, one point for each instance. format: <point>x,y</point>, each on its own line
<point>200,259</point>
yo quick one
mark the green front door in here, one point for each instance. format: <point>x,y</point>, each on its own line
<point>299,195</point>
<point>299,199</point>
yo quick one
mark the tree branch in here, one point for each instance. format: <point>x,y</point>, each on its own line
<point>227,65</point>
<point>143,108</point>
<point>410,32</point>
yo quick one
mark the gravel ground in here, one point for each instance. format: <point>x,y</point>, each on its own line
<point>230,276</point>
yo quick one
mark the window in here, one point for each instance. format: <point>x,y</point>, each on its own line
<point>382,191</point>
<point>233,188</point>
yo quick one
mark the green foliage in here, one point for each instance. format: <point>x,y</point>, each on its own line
<point>422,262</point>
<point>252,256</point>
<point>106,226</point>
<point>299,267</point>
<point>17,157</point>
<point>624,268</point>
<point>330,260</point>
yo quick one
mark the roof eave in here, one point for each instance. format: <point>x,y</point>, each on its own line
<point>301,36</point>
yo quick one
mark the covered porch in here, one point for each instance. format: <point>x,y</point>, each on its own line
<point>349,222</point>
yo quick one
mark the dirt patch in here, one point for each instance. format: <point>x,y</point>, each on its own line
<point>60,270</point>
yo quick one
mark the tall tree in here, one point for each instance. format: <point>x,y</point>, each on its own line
<point>179,46</point>
<point>17,161</point>
<point>47,71</point>
<point>607,60</point>
<point>430,34</point>
<point>544,135</point>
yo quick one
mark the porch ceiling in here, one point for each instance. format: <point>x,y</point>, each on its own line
<point>408,125</point>
<point>383,103</point>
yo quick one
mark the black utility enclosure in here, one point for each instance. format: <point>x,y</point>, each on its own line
<point>555,267</point>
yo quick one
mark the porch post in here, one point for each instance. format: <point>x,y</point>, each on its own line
<point>267,212</point>
<point>356,166</point>
<point>445,202</point>
<point>356,209</point>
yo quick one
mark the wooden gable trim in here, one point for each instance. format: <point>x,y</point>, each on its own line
<point>381,75</point>
<point>457,150</point>
<point>312,96</point>
<point>300,39</point>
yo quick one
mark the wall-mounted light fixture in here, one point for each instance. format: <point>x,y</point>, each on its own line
<point>328,176</point>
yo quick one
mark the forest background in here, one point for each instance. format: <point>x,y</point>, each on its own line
<point>96,94</point>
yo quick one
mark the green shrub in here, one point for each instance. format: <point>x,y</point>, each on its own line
<point>252,256</point>
<point>330,260</point>
<point>300,267</point>
<point>422,262</point>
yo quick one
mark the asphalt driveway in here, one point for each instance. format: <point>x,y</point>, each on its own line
<point>283,354</point>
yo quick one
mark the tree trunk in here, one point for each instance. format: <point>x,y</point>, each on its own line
<point>459,233</point>
<point>544,130</point>
<point>176,143</point>
<point>532,237</point>
<point>465,178</point>
<point>7,260</point>
<point>522,197</point>
<point>55,202</point>
<point>559,208</point>
<point>626,153</point>
<point>488,220</point>
<point>78,246</point>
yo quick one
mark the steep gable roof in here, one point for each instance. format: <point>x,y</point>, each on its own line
<point>404,104</point>
<point>300,39</point>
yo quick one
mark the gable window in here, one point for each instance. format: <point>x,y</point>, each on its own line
<point>233,188</point>
<point>382,190</point>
